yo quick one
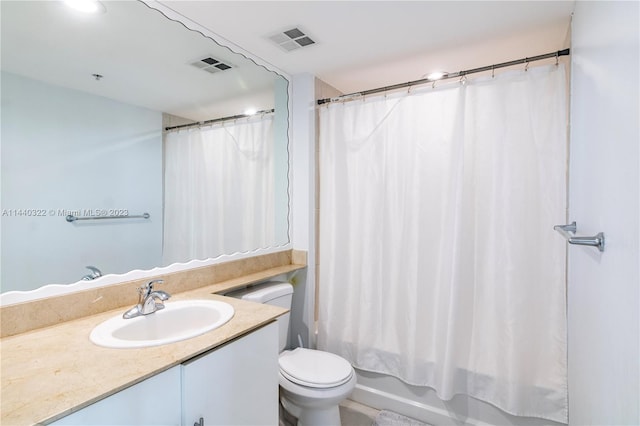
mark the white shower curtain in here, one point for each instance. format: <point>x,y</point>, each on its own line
<point>218,189</point>
<point>438,260</point>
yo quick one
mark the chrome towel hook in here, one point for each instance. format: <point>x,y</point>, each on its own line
<point>568,231</point>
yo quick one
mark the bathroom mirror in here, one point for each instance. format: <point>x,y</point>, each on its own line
<point>86,100</point>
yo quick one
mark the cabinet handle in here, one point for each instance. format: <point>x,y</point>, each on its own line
<point>199,423</point>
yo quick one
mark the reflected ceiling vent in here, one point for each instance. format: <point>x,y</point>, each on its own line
<point>291,39</point>
<point>211,64</point>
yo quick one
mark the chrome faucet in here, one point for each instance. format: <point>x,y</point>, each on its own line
<point>149,301</point>
<point>95,273</point>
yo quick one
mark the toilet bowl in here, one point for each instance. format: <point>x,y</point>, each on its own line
<point>312,382</point>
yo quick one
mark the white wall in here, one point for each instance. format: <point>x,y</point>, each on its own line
<point>306,89</point>
<point>281,161</point>
<point>603,291</point>
<point>65,150</point>
<point>303,203</point>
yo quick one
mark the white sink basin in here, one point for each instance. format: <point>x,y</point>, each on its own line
<point>177,321</point>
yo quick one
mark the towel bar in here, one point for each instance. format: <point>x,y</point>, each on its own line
<point>568,231</point>
<point>72,218</point>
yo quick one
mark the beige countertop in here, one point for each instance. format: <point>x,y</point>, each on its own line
<point>50,372</point>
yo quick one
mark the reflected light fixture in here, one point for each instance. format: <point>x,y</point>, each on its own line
<point>250,111</point>
<point>436,75</point>
<point>86,6</point>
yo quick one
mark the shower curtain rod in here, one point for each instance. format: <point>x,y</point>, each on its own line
<point>217,120</point>
<point>460,74</point>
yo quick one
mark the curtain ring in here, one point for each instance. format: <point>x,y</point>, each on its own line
<point>433,85</point>
<point>409,90</point>
<point>557,59</point>
<point>526,67</point>
<point>463,80</point>
<point>493,71</point>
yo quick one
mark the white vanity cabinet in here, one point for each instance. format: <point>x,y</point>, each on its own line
<point>154,401</point>
<point>236,384</point>
<point>233,384</point>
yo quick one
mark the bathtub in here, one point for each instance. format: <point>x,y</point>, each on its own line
<point>421,403</point>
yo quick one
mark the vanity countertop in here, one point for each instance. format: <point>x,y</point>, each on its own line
<point>50,372</point>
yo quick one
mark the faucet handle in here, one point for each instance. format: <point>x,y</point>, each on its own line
<point>147,289</point>
<point>151,283</point>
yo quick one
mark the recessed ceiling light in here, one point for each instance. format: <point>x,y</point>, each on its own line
<point>86,6</point>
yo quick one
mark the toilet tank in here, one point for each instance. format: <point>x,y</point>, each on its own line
<point>271,293</point>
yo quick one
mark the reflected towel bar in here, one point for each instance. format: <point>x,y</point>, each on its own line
<point>72,218</point>
<point>568,231</point>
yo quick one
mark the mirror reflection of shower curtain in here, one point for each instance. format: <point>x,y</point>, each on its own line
<point>218,190</point>
<point>438,260</point>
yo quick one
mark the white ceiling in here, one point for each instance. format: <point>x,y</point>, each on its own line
<point>365,44</point>
<point>144,57</point>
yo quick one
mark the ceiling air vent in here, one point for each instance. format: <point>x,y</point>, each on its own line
<point>291,39</point>
<point>211,65</point>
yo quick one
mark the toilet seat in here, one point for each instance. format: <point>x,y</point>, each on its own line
<point>316,369</point>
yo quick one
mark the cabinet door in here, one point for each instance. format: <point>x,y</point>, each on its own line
<point>155,401</point>
<point>236,384</point>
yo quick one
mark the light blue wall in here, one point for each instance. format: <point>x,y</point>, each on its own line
<point>281,160</point>
<point>66,150</point>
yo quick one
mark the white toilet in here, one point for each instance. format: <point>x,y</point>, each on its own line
<point>312,382</point>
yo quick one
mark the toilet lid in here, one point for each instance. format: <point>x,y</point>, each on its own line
<point>317,369</point>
